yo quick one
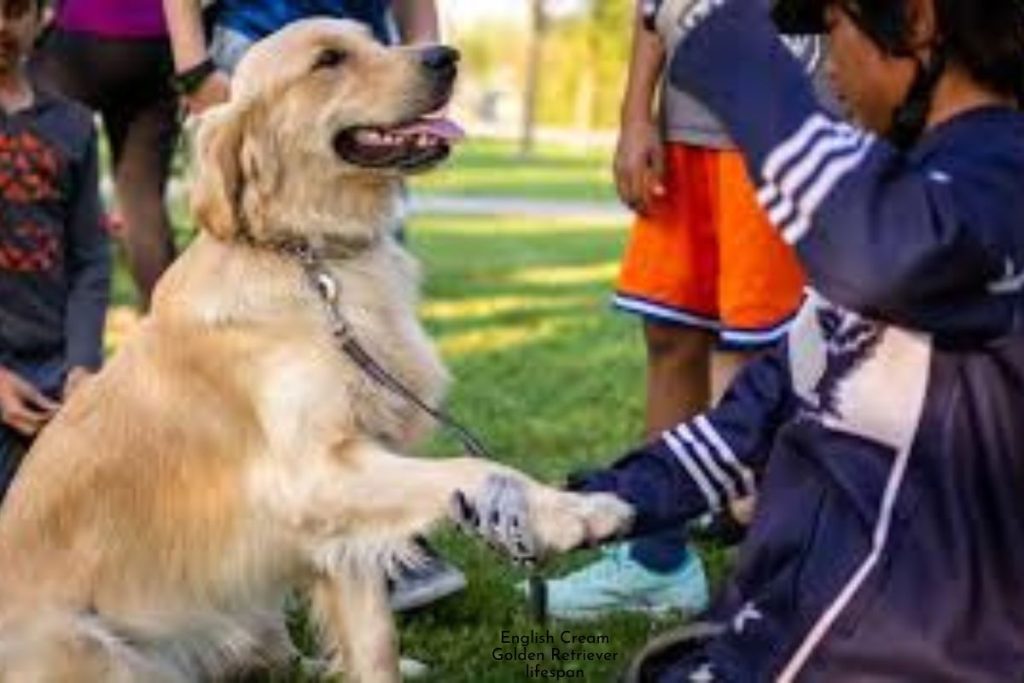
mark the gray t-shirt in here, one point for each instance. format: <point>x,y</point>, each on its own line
<point>684,119</point>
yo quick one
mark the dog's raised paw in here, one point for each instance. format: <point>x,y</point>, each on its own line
<point>563,521</point>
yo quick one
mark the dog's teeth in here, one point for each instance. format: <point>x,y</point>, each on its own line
<point>369,137</point>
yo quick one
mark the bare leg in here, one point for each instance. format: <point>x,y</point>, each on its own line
<point>678,367</point>
<point>725,365</point>
<point>143,141</point>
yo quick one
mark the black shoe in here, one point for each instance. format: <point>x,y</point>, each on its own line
<point>430,579</point>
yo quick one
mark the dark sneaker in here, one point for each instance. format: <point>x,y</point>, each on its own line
<point>429,580</point>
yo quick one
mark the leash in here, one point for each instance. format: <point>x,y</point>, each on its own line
<point>328,290</point>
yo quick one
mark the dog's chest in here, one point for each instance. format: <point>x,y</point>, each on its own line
<point>393,352</point>
<point>323,388</point>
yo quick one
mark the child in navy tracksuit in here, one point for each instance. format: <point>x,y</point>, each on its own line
<point>886,435</point>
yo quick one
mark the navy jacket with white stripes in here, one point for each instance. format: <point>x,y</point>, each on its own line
<point>886,434</point>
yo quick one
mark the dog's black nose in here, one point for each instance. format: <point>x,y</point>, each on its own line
<point>439,58</point>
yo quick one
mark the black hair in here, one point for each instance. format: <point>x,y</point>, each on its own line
<point>16,8</point>
<point>985,37</point>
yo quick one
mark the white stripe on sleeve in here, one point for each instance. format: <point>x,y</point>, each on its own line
<point>684,456</point>
<point>705,457</point>
<point>794,146</point>
<point>726,453</point>
<point>837,169</point>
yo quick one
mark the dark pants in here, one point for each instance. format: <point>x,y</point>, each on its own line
<point>12,448</point>
<point>48,377</point>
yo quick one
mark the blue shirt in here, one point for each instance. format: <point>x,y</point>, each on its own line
<point>257,19</point>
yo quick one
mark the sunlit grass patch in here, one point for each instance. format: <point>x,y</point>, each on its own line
<point>485,167</point>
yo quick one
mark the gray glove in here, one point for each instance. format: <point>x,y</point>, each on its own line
<point>500,514</point>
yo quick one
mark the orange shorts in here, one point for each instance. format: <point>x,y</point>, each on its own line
<point>706,256</point>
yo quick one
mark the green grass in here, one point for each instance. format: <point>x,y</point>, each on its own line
<point>495,168</point>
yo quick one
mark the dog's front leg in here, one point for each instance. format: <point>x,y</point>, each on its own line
<point>358,630</point>
<point>367,493</point>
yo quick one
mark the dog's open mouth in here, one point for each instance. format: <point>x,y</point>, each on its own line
<point>407,147</point>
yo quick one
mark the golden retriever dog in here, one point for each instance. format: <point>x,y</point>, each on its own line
<point>229,453</point>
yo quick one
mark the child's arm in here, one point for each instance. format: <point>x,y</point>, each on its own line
<point>639,153</point>
<point>875,232</point>
<point>190,51</point>
<point>704,463</point>
<point>88,264</point>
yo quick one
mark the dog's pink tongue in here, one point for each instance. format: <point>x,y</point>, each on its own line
<point>443,128</point>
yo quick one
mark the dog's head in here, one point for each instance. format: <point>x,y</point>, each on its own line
<point>322,122</point>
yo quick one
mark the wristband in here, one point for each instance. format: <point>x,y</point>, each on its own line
<point>188,81</point>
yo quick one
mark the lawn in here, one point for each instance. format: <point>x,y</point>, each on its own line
<point>495,168</point>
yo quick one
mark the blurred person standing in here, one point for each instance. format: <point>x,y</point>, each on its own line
<point>54,251</point>
<point>114,56</point>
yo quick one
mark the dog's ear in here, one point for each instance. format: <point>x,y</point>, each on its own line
<point>218,180</point>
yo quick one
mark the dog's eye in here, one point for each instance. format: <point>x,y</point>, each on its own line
<point>329,58</point>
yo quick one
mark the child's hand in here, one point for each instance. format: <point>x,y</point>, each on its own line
<point>23,407</point>
<point>639,165</point>
<point>215,89</point>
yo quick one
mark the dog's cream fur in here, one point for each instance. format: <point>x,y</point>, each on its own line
<point>229,453</point>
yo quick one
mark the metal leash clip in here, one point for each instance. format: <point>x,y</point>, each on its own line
<point>327,286</point>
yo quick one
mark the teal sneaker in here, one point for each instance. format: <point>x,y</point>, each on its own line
<point>618,583</point>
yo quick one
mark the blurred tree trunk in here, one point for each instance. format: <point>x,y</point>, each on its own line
<point>538,27</point>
